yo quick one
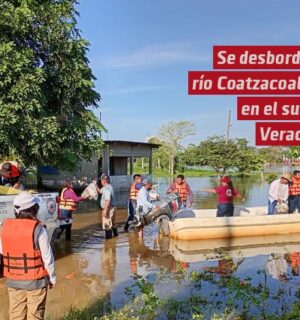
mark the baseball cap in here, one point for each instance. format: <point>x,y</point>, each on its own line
<point>225,179</point>
<point>25,200</point>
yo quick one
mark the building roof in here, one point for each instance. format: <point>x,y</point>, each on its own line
<point>131,143</point>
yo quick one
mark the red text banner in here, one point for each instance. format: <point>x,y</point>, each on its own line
<point>268,108</point>
<point>256,57</point>
<point>277,134</point>
<point>243,82</point>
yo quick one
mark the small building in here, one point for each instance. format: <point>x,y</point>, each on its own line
<point>117,160</point>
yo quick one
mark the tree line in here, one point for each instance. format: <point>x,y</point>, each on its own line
<point>47,97</point>
<point>217,152</point>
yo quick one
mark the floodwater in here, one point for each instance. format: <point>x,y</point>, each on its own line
<point>90,268</point>
<point>252,188</point>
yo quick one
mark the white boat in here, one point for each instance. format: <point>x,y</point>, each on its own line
<point>247,221</point>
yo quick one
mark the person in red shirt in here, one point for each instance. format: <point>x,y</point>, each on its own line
<point>226,193</point>
<point>10,175</point>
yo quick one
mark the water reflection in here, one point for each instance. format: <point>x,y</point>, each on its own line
<point>277,266</point>
<point>90,268</point>
<point>143,258</point>
<point>293,260</point>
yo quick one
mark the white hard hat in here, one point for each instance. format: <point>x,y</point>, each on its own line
<point>25,200</point>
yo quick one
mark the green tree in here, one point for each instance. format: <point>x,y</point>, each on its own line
<point>46,88</point>
<point>271,155</point>
<point>294,152</point>
<point>171,135</point>
<point>160,155</point>
<point>222,155</point>
<point>246,158</point>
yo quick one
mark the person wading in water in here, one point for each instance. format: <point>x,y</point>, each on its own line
<point>226,193</point>
<point>28,263</point>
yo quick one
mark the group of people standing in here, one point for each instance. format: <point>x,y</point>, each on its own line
<point>142,197</point>
<point>29,266</point>
<point>69,200</point>
<point>284,194</point>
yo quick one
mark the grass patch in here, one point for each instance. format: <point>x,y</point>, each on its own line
<point>232,298</point>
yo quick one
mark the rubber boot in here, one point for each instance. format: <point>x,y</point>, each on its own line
<point>126,227</point>
<point>115,231</point>
<point>108,233</point>
<point>68,232</point>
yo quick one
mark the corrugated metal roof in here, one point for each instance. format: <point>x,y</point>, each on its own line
<point>131,143</point>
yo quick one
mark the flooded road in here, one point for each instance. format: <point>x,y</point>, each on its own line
<point>90,268</point>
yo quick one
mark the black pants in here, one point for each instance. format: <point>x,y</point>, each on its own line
<point>294,203</point>
<point>68,231</point>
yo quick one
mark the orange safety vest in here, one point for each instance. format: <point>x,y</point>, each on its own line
<point>294,188</point>
<point>66,204</point>
<point>182,190</point>
<point>295,259</point>
<point>133,265</point>
<point>22,260</point>
<point>133,192</point>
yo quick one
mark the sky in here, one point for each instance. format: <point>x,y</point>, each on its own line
<point>141,51</point>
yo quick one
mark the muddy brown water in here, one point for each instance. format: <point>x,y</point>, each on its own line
<point>90,268</point>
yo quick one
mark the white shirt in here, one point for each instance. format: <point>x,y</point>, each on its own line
<point>143,199</point>
<point>276,266</point>
<point>46,253</point>
<point>278,191</point>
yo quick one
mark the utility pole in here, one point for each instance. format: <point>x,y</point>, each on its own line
<point>100,118</point>
<point>228,126</point>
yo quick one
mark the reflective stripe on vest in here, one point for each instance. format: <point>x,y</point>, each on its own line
<point>67,204</point>
<point>22,260</point>
<point>294,188</point>
<point>182,190</point>
<point>133,192</point>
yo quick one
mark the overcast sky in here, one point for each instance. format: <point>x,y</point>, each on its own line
<point>141,51</point>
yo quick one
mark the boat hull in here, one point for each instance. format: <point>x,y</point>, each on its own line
<point>231,227</point>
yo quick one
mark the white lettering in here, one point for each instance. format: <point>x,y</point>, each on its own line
<point>281,135</point>
<point>268,110</point>
<point>202,84</point>
<point>220,56</point>
<point>265,136</point>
